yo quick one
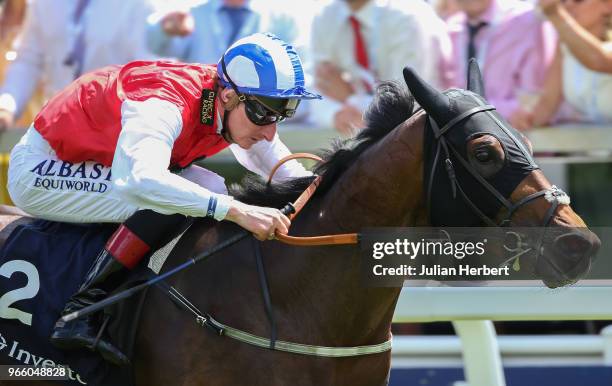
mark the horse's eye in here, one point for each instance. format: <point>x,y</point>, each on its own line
<point>486,155</point>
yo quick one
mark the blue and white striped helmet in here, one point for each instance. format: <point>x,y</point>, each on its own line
<point>264,65</point>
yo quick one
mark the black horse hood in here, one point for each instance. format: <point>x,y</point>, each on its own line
<point>460,115</point>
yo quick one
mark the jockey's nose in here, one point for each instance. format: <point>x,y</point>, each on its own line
<point>269,131</point>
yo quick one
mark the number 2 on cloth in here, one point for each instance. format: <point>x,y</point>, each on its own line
<point>29,291</point>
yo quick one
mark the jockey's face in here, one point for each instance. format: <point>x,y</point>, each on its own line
<point>241,130</point>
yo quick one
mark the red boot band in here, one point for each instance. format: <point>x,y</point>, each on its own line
<point>126,247</point>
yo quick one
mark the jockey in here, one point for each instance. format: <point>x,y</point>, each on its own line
<point>117,146</point>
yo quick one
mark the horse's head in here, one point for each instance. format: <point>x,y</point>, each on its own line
<point>480,170</point>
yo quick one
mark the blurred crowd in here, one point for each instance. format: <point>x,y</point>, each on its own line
<point>544,62</point>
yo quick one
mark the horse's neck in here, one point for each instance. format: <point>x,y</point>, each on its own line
<point>382,188</point>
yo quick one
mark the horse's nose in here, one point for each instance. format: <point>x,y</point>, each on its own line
<point>577,245</point>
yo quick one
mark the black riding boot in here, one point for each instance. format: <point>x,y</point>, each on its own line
<point>105,275</point>
<point>143,232</point>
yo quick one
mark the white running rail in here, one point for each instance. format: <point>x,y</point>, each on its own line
<point>471,309</point>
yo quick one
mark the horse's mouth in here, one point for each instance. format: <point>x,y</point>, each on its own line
<point>558,270</point>
<point>567,259</point>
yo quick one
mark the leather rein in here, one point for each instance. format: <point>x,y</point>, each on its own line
<point>300,202</point>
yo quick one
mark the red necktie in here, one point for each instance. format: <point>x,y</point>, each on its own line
<point>361,55</point>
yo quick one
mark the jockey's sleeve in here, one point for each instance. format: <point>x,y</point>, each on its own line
<point>140,165</point>
<point>263,156</point>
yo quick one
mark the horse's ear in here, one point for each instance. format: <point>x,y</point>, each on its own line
<point>474,78</point>
<point>430,99</point>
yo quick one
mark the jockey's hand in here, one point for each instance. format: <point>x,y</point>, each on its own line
<point>260,221</point>
<point>178,23</point>
<point>6,119</point>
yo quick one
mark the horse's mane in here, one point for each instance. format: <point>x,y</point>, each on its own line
<point>392,105</point>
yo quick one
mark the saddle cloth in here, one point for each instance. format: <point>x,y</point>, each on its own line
<point>41,265</point>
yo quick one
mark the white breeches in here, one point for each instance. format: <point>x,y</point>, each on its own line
<point>46,187</point>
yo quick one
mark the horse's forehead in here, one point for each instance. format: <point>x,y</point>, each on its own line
<point>482,122</point>
<point>462,100</point>
<point>455,93</point>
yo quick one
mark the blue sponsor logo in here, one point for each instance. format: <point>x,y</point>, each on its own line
<point>62,175</point>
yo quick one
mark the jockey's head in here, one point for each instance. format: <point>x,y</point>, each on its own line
<point>262,79</point>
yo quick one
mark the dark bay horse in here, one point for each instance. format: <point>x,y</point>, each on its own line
<point>379,179</point>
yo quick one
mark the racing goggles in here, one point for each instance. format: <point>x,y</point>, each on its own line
<point>264,111</point>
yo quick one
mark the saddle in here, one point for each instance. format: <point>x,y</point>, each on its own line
<point>42,263</point>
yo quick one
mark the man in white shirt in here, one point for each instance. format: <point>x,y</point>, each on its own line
<point>357,43</point>
<point>65,38</point>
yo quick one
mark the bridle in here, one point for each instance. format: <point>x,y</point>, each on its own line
<point>444,149</point>
<point>554,195</point>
